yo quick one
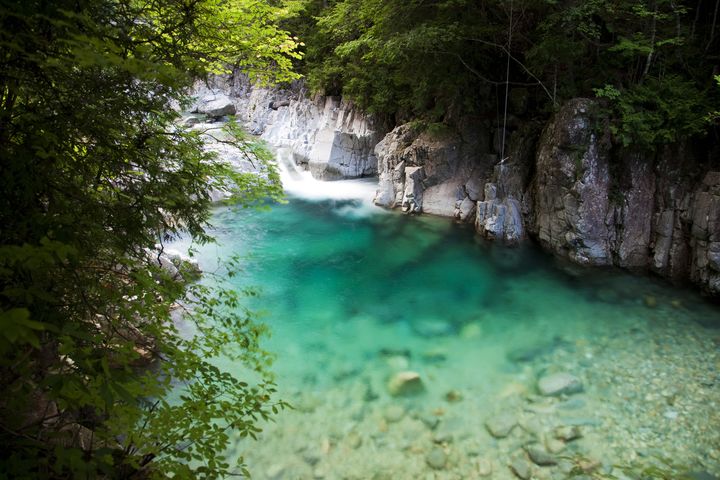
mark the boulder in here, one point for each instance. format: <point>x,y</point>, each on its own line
<point>217,106</point>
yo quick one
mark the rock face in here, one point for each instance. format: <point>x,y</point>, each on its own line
<point>659,212</point>
<point>440,172</point>
<point>330,137</point>
<point>571,187</point>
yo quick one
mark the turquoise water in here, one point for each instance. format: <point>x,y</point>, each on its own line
<point>355,295</point>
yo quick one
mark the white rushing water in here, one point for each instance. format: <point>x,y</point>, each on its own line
<point>354,197</point>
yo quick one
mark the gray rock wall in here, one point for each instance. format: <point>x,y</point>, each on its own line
<point>331,138</point>
<point>571,190</point>
<point>436,172</point>
<point>610,206</point>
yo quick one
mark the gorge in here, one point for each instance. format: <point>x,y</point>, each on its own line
<point>414,346</point>
<point>562,184</point>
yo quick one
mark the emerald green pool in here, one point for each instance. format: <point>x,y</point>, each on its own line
<point>354,294</point>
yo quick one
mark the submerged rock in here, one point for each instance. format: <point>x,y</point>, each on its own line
<point>559,384</point>
<point>521,468</point>
<point>568,433</point>
<point>432,328</point>
<point>484,467</point>
<point>429,420</point>
<point>394,413</point>
<point>502,425</point>
<point>540,456</point>
<point>437,458</point>
<point>405,383</point>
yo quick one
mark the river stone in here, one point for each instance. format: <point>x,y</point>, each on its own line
<point>429,420</point>
<point>540,456</point>
<point>394,413</point>
<point>405,383</point>
<point>568,433</point>
<point>521,468</point>
<point>501,425</point>
<point>559,384</point>
<point>437,458</point>
<point>553,445</point>
<point>354,440</point>
<point>484,467</point>
<point>432,328</point>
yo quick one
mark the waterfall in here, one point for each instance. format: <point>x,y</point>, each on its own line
<point>351,197</point>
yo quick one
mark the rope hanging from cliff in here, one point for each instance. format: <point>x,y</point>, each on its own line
<point>507,85</point>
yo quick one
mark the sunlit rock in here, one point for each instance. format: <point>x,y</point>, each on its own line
<point>559,384</point>
<point>405,383</point>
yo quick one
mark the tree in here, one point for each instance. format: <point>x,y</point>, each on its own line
<point>441,60</point>
<point>96,171</point>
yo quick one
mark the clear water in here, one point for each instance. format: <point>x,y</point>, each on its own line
<point>354,295</point>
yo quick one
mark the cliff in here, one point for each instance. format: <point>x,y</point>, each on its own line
<point>570,189</point>
<point>328,136</point>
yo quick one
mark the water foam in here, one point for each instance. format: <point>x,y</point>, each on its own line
<point>354,198</point>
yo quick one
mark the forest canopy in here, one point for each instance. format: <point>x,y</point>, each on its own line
<point>652,61</point>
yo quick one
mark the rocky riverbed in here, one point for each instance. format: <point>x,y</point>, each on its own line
<point>647,396</point>
<point>408,351</point>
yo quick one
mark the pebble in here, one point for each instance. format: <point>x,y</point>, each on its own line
<point>540,456</point>
<point>568,433</point>
<point>559,384</point>
<point>501,425</point>
<point>394,413</point>
<point>453,396</point>
<point>429,420</point>
<point>471,330</point>
<point>650,301</point>
<point>521,468</point>
<point>437,458</point>
<point>671,414</point>
<point>484,467</point>
<point>354,440</point>
<point>398,362</point>
<point>405,383</point>
<point>554,445</point>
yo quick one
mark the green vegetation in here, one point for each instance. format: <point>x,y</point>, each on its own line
<point>95,172</point>
<point>651,61</point>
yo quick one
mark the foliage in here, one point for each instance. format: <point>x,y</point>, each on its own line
<point>655,112</point>
<point>444,59</point>
<point>96,172</point>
